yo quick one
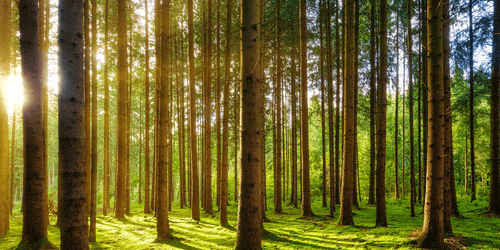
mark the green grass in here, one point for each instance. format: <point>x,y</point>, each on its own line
<point>285,231</point>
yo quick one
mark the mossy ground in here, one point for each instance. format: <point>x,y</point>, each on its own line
<point>285,231</point>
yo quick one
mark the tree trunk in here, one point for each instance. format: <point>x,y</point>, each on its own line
<point>432,234</point>
<point>73,220</point>
<point>321,22</point>
<point>410,100</point>
<point>494,206</point>
<point>12,166</point>
<point>147,176</point>
<point>225,121</point>
<point>208,115</point>
<point>348,149</point>
<point>294,196</point>
<point>105,202</point>
<point>424,96</point>
<point>471,107</point>
<point>93,185</point>
<point>277,177</point>
<point>396,127</point>
<point>373,104</point>
<point>381,220</point>
<point>355,202</point>
<point>337,105</point>
<point>195,200</point>
<point>304,118</point>
<point>163,227</point>
<point>122,112</point>
<point>34,223</point>
<point>329,77</point>
<point>249,214</point>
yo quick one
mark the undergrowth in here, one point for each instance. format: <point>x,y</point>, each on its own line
<point>476,230</point>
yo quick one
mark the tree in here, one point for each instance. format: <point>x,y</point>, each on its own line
<point>163,227</point>
<point>494,205</point>
<point>34,223</point>
<point>304,116</point>
<point>88,160</point>
<point>373,104</point>
<point>432,234</point>
<point>249,215</point>
<point>225,121</point>
<point>410,87</point>
<point>146,131</point>
<point>122,112</point>
<point>72,204</point>
<point>471,108</point>
<point>348,149</point>
<point>93,186</point>
<point>277,177</point>
<point>381,220</point>
<point>337,104</point>
<point>5,36</point>
<point>105,202</point>
<point>208,115</point>
<point>329,77</point>
<point>195,205</point>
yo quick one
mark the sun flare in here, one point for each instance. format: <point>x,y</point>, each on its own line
<point>15,92</point>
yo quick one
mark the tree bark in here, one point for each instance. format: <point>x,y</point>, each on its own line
<point>72,204</point>
<point>494,205</point>
<point>105,203</point>
<point>337,105</point>
<point>195,200</point>
<point>147,170</point>
<point>329,77</point>
<point>346,217</point>
<point>381,220</point>
<point>277,177</point>
<point>122,112</point>
<point>373,104</point>
<point>432,234</point>
<point>249,214</point>
<point>410,100</point>
<point>88,161</point>
<point>93,185</point>
<point>471,108</point>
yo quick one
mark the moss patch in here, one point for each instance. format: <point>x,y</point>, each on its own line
<point>285,231</point>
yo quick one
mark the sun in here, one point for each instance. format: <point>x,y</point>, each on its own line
<point>15,92</point>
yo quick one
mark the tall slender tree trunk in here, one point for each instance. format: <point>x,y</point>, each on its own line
<point>494,205</point>
<point>346,217</point>
<point>163,227</point>
<point>355,202</point>
<point>195,200</point>
<point>432,234</point>
<point>88,161</point>
<point>410,100</point>
<point>105,203</point>
<point>249,215</point>
<point>217,108</point>
<point>329,77</point>
<point>381,220</point>
<point>396,127</point>
<point>277,177</point>
<point>34,220</point>
<point>424,96</point>
<point>93,186</point>
<point>448,135</point>
<point>147,170</point>
<point>373,104</point>
<point>304,118</point>
<point>294,195</point>
<point>321,21</point>
<point>122,111</point>
<point>471,107</point>
<point>208,115</point>
<point>337,105</point>
<point>225,120</point>
<point>12,166</point>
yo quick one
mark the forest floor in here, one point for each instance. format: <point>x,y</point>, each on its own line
<point>288,230</point>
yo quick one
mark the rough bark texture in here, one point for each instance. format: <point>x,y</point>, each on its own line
<point>93,186</point>
<point>346,217</point>
<point>471,108</point>
<point>147,176</point>
<point>337,105</point>
<point>88,160</point>
<point>331,114</point>
<point>73,199</point>
<point>195,200</point>
<point>122,111</point>
<point>494,206</point>
<point>249,214</point>
<point>373,106</point>
<point>162,226</point>
<point>294,196</point>
<point>381,218</point>
<point>410,100</point>
<point>105,196</point>
<point>34,224</point>
<point>277,176</point>
<point>225,121</point>
<point>304,115</point>
<point>448,135</point>
<point>208,115</point>
<point>432,234</point>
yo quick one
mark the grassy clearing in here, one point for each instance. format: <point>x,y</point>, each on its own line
<point>285,231</point>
